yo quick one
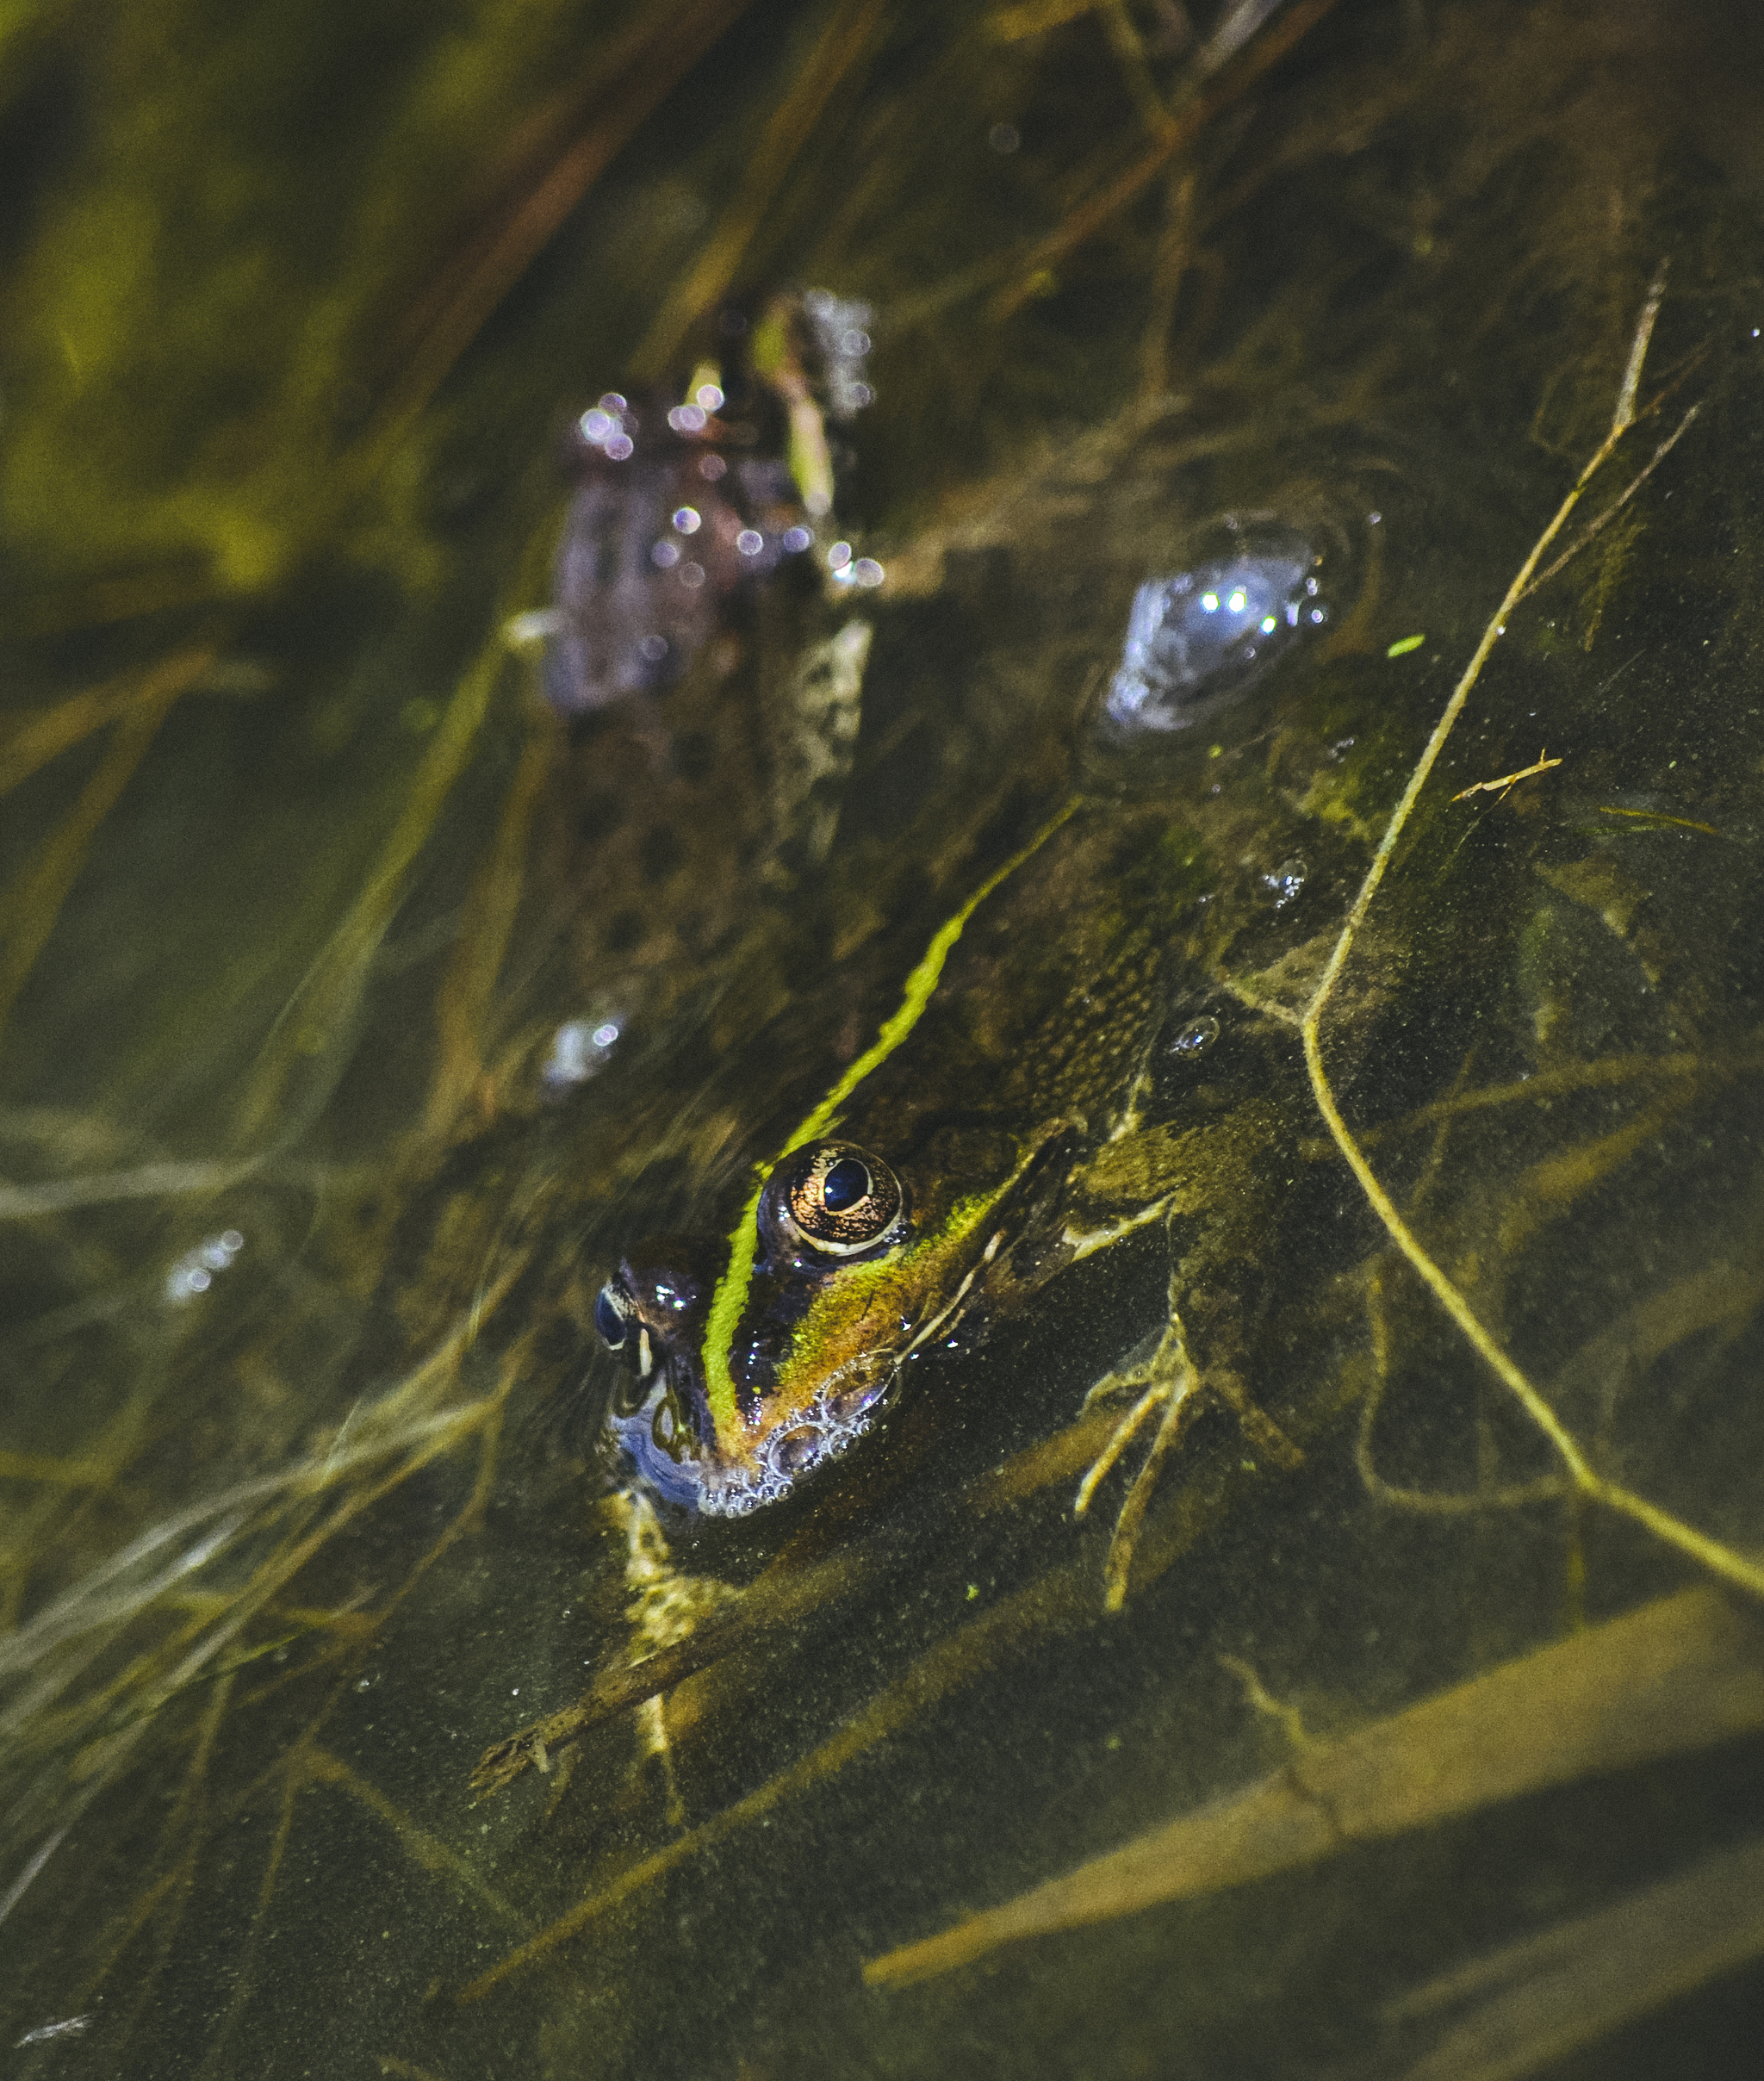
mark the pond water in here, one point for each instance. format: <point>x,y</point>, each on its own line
<point>1004,1317</point>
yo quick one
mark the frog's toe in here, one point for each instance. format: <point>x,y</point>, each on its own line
<point>1264,1434</point>
<point>1169,1381</point>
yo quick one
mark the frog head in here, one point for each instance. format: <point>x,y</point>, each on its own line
<point>734,1392</point>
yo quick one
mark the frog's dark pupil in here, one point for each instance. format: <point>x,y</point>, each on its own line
<point>844,1185</point>
<point>609,1319</point>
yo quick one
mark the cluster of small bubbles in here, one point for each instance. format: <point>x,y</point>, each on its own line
<point>581,1048</point>
<point>194,1272</point>
<point>602,426</point>
<point>1285,882</point>
<point>694,414</point>
<point>1193,1039</point>
<point>841,332</point>
<point>846,570</point>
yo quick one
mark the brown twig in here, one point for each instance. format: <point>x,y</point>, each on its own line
<point>1508,782</point>
<point>1185,126</point>
<point>1618,504</point>
<point>599,123</point>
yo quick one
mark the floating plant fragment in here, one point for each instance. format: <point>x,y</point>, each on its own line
<point>1198,640</point>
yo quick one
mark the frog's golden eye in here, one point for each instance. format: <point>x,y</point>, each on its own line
<point>834,1198</point>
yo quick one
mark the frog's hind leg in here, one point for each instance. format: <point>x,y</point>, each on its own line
<point>1169,1381</point>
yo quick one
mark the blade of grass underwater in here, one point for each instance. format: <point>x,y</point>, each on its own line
<point>1680,1674</point>
<point>1574,1984</point>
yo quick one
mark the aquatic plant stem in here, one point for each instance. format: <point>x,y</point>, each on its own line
<point>845,44</point>
<point>29,909</point>
<point>1183,127</point>
<point>1711,1553</point>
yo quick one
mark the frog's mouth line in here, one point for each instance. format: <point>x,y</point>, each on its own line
<point>666,1451</point>
<point>845,1406</point>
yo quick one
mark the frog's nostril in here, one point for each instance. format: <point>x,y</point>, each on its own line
<point>610,1318</point>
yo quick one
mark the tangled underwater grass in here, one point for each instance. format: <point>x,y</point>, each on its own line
<point>279,1569</point>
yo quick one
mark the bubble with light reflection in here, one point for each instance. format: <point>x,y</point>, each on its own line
<point>195,1270</point>
<point>581,1048</point>
<point>1198,640</point>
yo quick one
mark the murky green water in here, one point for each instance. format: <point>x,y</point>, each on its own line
<point>357,1013</point>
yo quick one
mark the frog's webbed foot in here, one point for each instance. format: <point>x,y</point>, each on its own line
<point>1169,1381</point>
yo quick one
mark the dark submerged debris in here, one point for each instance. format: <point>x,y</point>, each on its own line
<point>687,500</point>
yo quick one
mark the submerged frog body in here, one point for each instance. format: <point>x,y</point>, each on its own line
<point>662,529</point>
<point>703,657</point>
<point>684,500</point>
<point>1012,1116</point>
<point>1030,1103</point>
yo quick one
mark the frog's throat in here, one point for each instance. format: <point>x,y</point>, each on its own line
<point>730,1299</point>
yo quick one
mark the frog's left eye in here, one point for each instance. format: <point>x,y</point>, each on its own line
<point>833,1198</point>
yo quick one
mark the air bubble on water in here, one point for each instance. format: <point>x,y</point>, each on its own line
<point>1200,637</point>
<point>1285,882</point>
<point>1192,1040</point>
<point>581,1048</point>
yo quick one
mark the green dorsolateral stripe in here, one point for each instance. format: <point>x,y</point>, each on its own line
<point>731,1293</point>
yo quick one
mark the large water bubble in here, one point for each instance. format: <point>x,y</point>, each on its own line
<point>1197,641</point>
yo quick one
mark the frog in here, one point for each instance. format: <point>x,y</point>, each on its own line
<point>1036,1097</point>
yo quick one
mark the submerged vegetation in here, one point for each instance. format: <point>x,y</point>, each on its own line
<point>358,1011</point>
